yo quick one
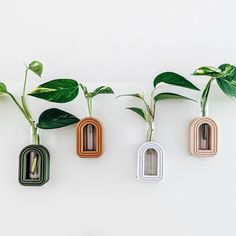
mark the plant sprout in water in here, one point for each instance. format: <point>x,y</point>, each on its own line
<point>148,111</point>
<point>90,95</point>
<point>225,76</point>
<point>37,68</point>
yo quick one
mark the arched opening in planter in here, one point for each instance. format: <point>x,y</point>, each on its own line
<point>89,138</point>
<point>203,137</point>
<point>34,165</point>
<point>150,162</point>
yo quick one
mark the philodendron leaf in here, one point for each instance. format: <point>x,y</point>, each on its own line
<point>207,70</point>
<point>36,67</point>
<point>165,96</point>
<point>58,90</point>
<point>227,82</point>
<point>173,79</point>
<point>3,88</point>
<point>102,90</point>
<point>139,111</point>
<point>55,118</point>
<point>137,95</point>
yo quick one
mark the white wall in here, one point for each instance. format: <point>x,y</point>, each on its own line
<point>124,44</point>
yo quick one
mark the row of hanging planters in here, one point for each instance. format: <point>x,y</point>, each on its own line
<point>34,159</point>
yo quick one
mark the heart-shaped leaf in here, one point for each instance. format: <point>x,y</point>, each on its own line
<point>102,90</point>
<point>173,79</point>
<point>3,88</point>
<point>138,111</point>
<point>58,90</point>
<point>137,95</point>
<point>55,118</point>
<point>165,96</point>
<point>36,67</point>
<point>207,70</point>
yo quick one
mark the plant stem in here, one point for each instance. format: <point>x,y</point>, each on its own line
<point>150,131</point>
<point>90,104</point>
<point>204,97</point>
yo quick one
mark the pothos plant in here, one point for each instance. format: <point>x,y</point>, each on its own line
<point>61,88</point>
<point>51,91</point>
<point>224,75</point>
<point>148,111</point>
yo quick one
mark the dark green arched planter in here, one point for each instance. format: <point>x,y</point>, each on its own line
<point>34,165</point>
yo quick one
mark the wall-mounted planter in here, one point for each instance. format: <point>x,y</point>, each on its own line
<point>203,137</point>
<point>34,165</point>
<point>150,162</point>
<point>89,138</point>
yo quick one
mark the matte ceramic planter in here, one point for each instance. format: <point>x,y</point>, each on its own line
<point>150,162</point>
<point>34,165</point>
<point>89,138</point>
<point>203,137</point>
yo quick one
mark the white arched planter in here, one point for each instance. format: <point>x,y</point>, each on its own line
<point>150,162</point>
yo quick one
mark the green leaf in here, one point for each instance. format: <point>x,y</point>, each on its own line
<point>207,70</point>
<point>3,88</point>
<point>138,111</point>
<point>36,67</point>
<point>227,82</point>
<point>58,90</point>
<point>84,88</point>
<point>102,90</point>
<point>173,79</point>
<point>55,118</point>
<point>165,96</point>
<point>137,95</point>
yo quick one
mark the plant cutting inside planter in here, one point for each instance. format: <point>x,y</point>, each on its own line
<point>34,160</point>
<point>151,154</point>
<point>89,131</point>
<point>203,130</point>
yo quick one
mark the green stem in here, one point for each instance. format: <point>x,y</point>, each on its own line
<point>150,131</point>
<point>90,104</point>
<point>204,97</point>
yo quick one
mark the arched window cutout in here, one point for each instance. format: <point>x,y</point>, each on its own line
<point>204,137</point>
<point>89,135</point>
<point>150,162</point>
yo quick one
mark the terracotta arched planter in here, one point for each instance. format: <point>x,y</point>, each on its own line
<point>150,162</point>
<point>34,165</point>
<point>89,138</point>
<point>203,137</point>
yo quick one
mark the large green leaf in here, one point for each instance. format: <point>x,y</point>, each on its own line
<point>173,79</point>
<point>165,96</point>
<point>55,118</point>
<point>137,95</point>
<point>3,88</point>
<point>227,82</point>
<point>207,70</point>
<point>58,90</point>
<point>138,111</point>
<point>102,90</point>
<point>36,67</point>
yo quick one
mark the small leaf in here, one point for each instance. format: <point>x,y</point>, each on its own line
<point>58,90</point>
<point>3,88</point>
<point>55,118</point>
<point>102,90</point>
<point>138,111</point>
<point>36,67</point>
<point>207,70</point>
<point>84,88</point>
<point>165,96</point>
<point>137,95</point>
<point>173,79</point>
